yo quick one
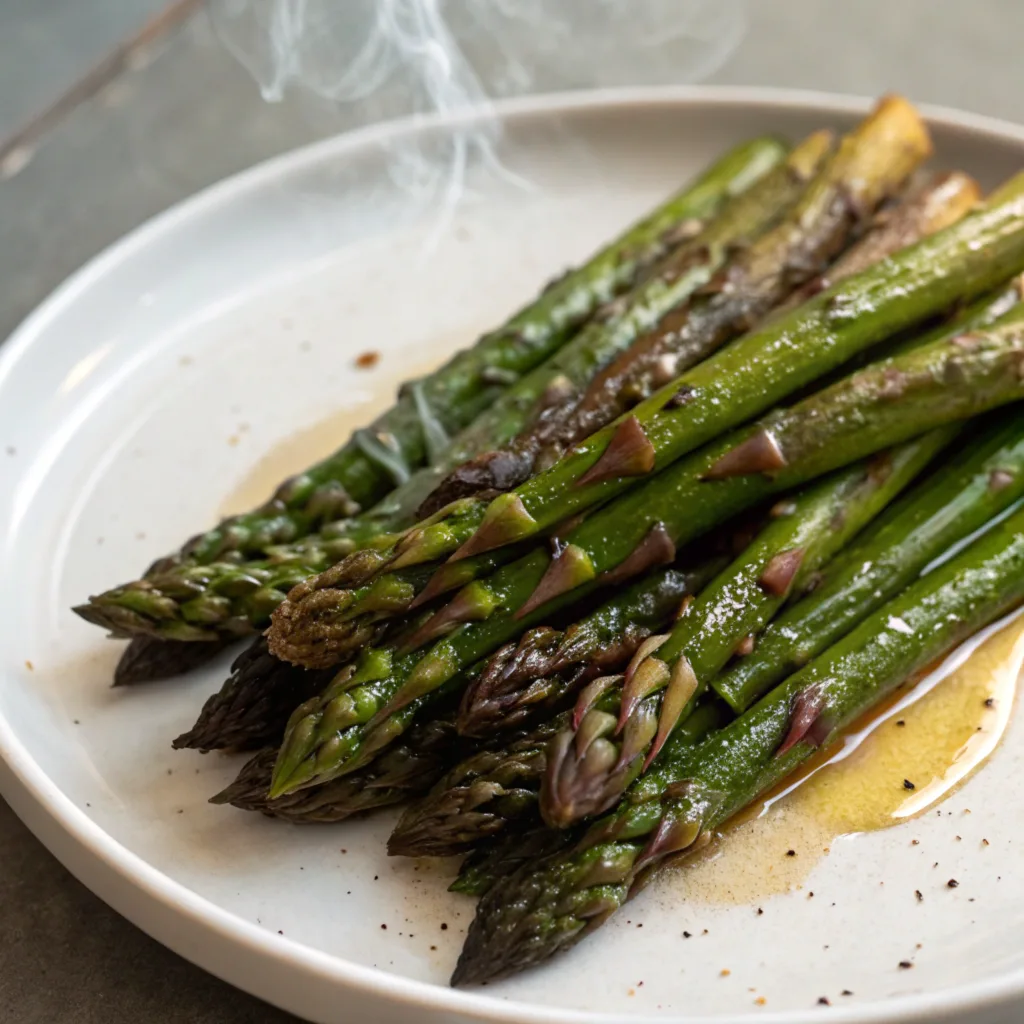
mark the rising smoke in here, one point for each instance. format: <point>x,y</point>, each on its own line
<point>379,59</point>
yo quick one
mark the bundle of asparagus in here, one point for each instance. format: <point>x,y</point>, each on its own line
<point>710,501</point>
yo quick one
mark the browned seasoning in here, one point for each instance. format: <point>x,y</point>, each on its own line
<point>367,360</point>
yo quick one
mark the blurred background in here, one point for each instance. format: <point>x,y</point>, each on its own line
<point>112,110</point>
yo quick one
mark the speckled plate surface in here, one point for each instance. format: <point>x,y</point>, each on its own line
<point>182,371</point>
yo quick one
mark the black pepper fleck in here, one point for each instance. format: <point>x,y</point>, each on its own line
<point>444,926</point>
<point>990,702</point>
<point>791,853</point>
<point>383,927</point>
<point>823,1001</point>
<point>900,722</point>
<point>952,883</point>
<point>919,895</point>
<point>905,965</point>
<point>846,992</point>
<point>907,784</point>
<point>686,935</point>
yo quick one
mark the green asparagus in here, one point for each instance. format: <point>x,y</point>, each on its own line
<point>541,909</point>
<point>548,665</point>
<point>603,750</point>
<point>885,404</point>
<point>870,166</point>
<point>746,378</point>
<point>406,770</point>
<point>496,791</point>
<point>985,479</point>
<point>251,709</point>
<point>197,602</point>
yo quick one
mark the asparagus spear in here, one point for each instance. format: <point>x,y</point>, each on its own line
<point>749,376</point>
<point>984,480</point>
<point>531,673</point>
<point>493,792</point>
<point>490,792</point>
<point>945,199</point>
<point>544,908</point>
<point>884,404</point>
<point>406,770</point>
<point>546,665</point>
<point>251,709</point>
<point>602,750</point>
<point>488,862</point>
<point>148,660</point>
<point>196,602</point>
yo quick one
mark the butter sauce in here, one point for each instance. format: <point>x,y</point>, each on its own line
<point>908,756</point>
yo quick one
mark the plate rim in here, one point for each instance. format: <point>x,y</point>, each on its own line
<point>84,848</point>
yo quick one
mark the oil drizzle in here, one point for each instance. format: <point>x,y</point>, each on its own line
<point>297,451</point>
<point>907,757</point>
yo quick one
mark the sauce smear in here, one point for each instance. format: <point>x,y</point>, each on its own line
<point>933,735</point>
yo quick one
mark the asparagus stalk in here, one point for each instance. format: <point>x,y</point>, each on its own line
<point>406,770</point>
<point>493,792</point>
<point>883,405</point>
<point>531,674</point>
<point>602,750</point>
<point>200,602</point>
<point>942,201</point>
<point>541,909</point>
<point>252,708</point>
<point>984,480</point>
<point>939,201</point>
<point>748,377</point>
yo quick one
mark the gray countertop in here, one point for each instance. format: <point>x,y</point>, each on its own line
<point>180,113</point>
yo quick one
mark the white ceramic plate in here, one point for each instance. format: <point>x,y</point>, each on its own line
<point>142,395</point>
